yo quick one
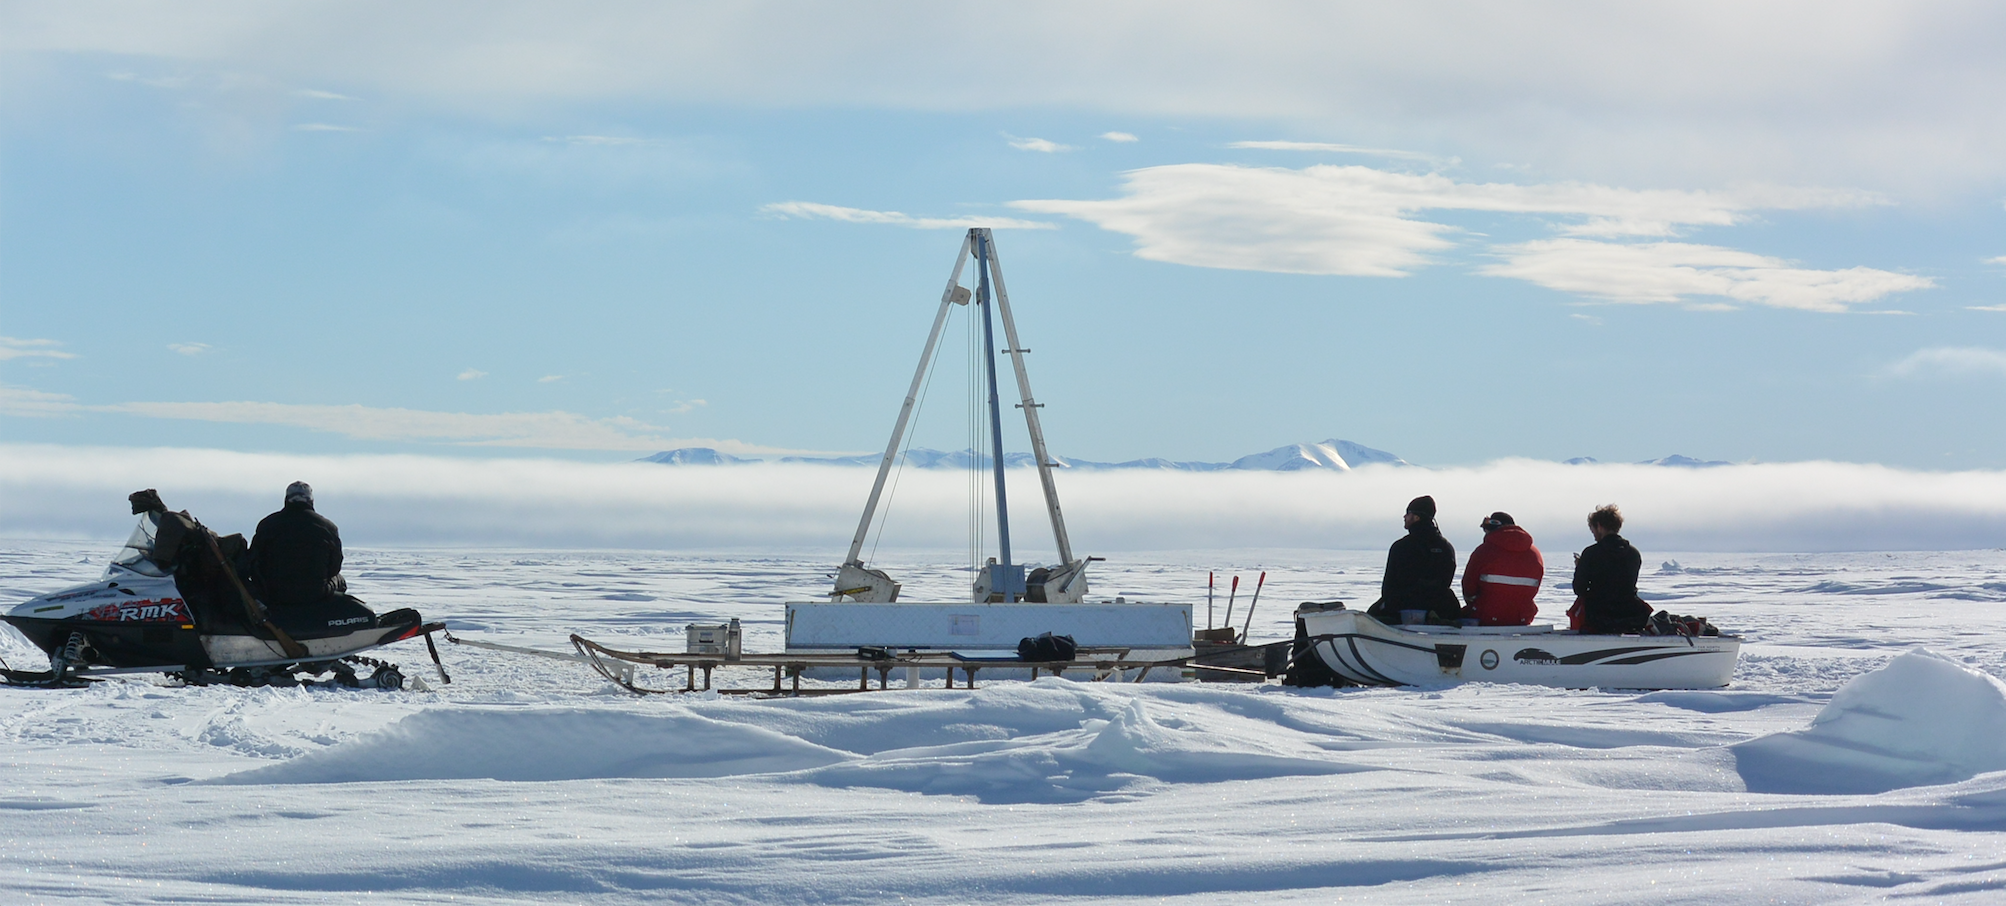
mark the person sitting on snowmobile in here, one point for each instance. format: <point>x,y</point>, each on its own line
<point>296,554</point>
<point>1605,580</point>
<point>1419,569</point>
<point>1503,575</point>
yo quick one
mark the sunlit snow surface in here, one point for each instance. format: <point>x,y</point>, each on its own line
<point>535,781</point>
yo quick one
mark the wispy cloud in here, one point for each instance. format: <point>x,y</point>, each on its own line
<point>555,430</point>
<point>1950,361</point>
<point>1362,221</point>
<point>1674,271</point>
<point>13,348</point>
<point>324,127</point>
<point>171,83</point>
<point>598,140</point>
<point>471,374</point>
<point>22,401</point>
<point>1986,307</point>
<point>318,95</point>
<point>1042,146</point>
<point>189,348</point>
<point>1338,149</point>
<point>1119,137</point>
<point>550,379</point>
<point>808,210</point>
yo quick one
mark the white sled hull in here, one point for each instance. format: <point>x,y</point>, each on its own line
<point>1366,651</point>
<point>226,651</point>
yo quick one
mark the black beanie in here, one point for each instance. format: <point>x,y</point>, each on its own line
<point>1423,507</point>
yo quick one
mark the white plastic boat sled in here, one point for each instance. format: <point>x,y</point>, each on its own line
<point>1363,650</point>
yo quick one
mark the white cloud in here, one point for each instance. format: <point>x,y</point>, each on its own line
<point>323,127</point>
<point>1673,271</point>
<point>1953,361</point>
<point>1242,218</point>
<point>189,348</point>
<point>13,348</point>
<point>1340,149</point>
<point>808,210</point>
<point>434,500</point>
<point>555,430</point>
<point>1591,319</point>
<point>1986,307</point>
<point>1359,221</point>
<point>1040,145</point>
<point>1999,260</point>
<point>539,430</point>
<point>604,140</point>
<point>1878,94</point>
<point>550,379</point>
<point>1119,137</point>
<point>168,82</point>
<point>21,401</point>
<point>319,95</point>
<point>471,374</point>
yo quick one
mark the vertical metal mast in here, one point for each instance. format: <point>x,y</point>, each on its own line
<point>949,296</point>
<point>1030,407</point>
<point>1000,577</point>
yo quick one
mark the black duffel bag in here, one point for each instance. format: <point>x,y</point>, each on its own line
<point>1047,647</point>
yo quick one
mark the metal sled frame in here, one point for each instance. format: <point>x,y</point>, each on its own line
<point>1107,664</point>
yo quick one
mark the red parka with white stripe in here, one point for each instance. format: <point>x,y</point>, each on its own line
<point>1502,577</point>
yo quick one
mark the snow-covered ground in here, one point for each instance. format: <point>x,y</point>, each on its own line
<point>528,780</point>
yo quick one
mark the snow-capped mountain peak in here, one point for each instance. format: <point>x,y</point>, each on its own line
<point>1342,455</point>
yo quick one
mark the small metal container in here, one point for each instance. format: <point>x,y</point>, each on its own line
<point>715,638</point>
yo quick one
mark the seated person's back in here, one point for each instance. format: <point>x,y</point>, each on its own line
<point>1503,574</point>
<point>1605,578</point>
<point>296,553</point>
<point>1420,568</point>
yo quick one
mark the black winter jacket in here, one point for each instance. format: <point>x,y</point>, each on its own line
<point>295,557</point>
<point>1605,579</point>
<point>1419,571</point>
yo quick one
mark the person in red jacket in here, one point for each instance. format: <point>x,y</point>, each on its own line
<point>1503,575</point>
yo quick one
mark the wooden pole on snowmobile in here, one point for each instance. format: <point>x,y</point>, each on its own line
<point>1229,602</point>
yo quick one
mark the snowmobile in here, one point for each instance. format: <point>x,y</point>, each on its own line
<point>173,601</point>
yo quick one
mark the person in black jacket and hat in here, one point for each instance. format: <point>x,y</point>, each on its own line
<point>1605,579</point>
<point>296,554</point>
<point>1419,571</point>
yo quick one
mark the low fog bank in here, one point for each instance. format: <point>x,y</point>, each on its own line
<point>55,491</point>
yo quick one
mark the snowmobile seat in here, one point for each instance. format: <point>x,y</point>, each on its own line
<point>334,615</point>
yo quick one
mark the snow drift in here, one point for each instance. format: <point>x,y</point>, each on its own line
<point>1047,741</point>
<point>547,744</point>
<point>1921,720</point>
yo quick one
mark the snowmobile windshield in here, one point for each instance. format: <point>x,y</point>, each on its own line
<point>136,555</point>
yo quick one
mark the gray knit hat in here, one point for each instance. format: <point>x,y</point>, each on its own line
<point>299,492</point>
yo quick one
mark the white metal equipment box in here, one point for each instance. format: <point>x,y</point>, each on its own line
<point>714,638</point>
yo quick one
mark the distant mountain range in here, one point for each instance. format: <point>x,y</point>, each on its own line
<point>1333,454</point>
<point>1675,460</point>
<point>1330,455</point>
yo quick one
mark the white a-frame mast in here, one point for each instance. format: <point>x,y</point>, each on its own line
<point>1003,581</point>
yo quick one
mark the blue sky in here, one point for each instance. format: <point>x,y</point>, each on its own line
<point>592,232</point>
